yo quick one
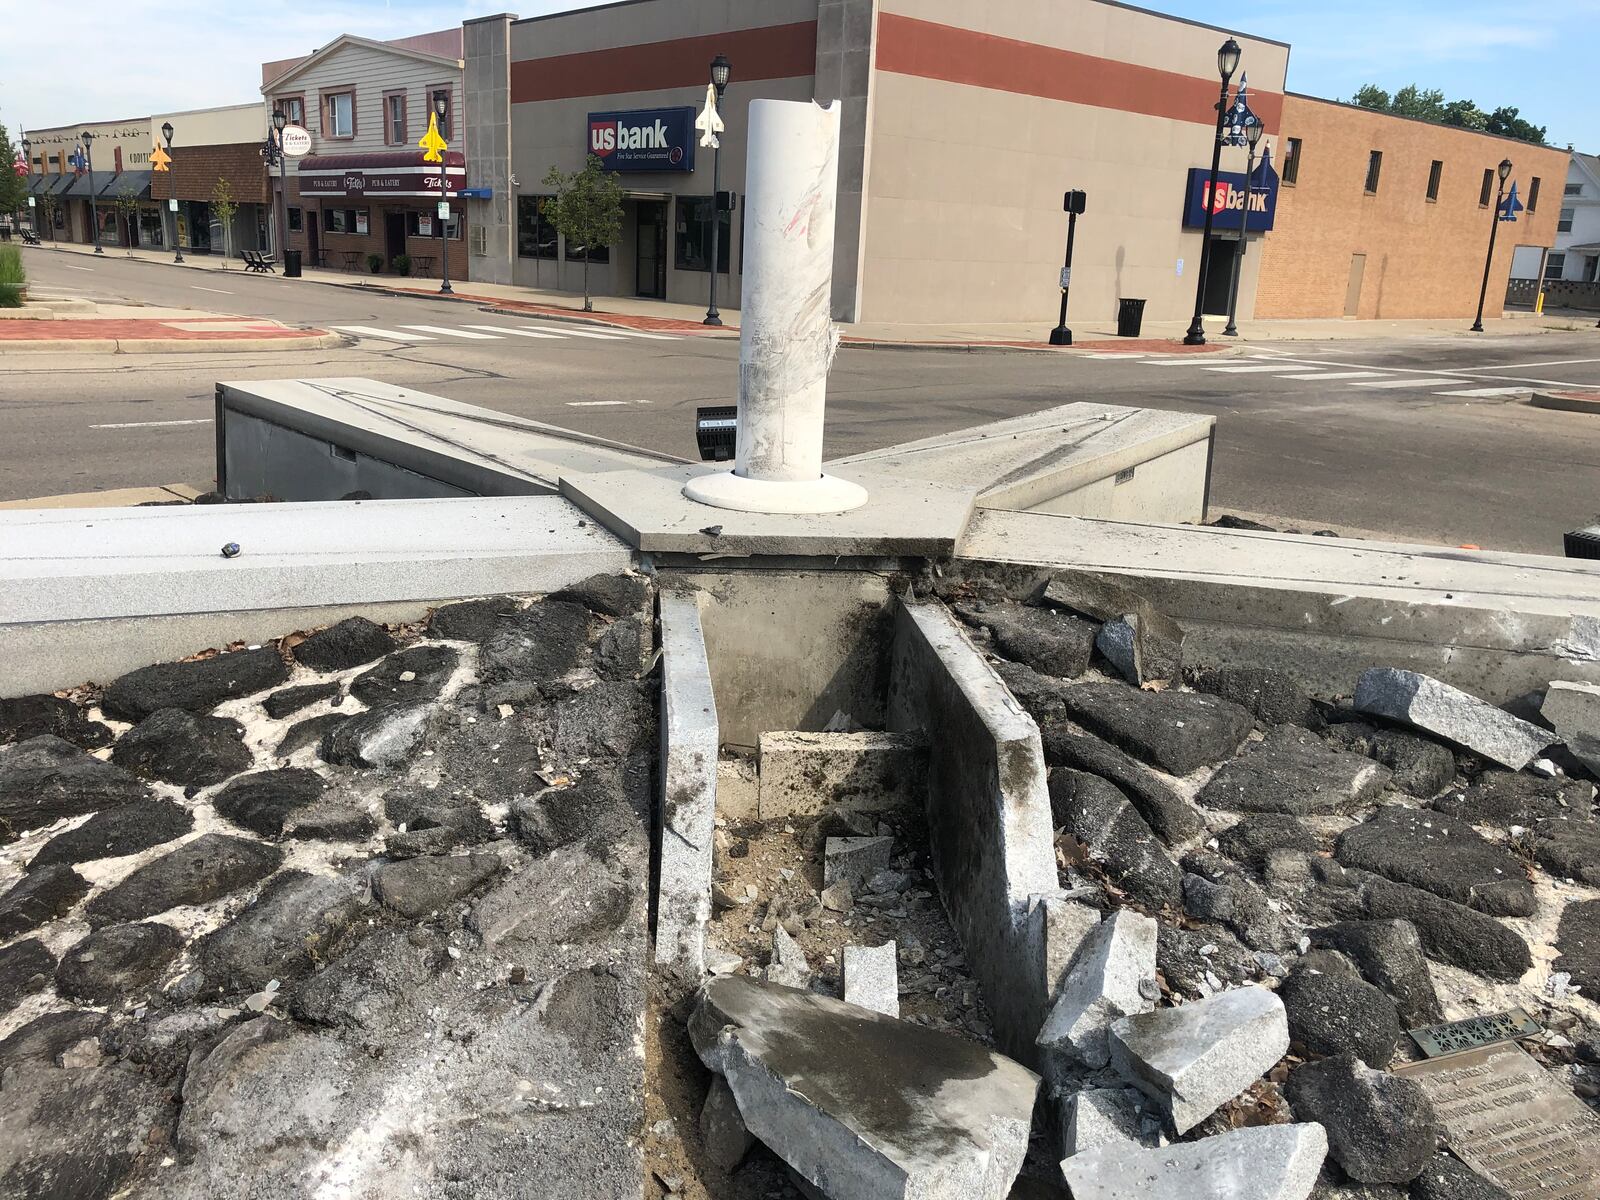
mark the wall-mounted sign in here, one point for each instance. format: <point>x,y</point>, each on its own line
<point>1228,203</point>
<point>643,139</point>
<point>296,141</point>
<point>381,175</point>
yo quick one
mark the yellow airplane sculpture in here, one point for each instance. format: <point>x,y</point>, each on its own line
<point>432,142</point>
<point>159,159</point>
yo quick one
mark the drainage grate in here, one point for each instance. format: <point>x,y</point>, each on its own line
<point>1125,475</point>
<point>1583,543</point>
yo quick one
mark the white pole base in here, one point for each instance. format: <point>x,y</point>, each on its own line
<point>824,494</point>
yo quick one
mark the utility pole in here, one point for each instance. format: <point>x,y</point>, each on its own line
<point>1073,203</point>
<point>1504,170</point>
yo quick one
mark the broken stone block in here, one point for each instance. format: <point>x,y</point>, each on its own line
<point>117,963</point>
<point>262,800</point>
<point>1421,767</point>
<point>1381,1128</point>
<point>1450,932</point>
<point>116,832</point>
<point>1256,837</point>
<point>1095,597</point>
<point>288,701</point>
<point>40,896</point>
<point>197,686</point>
<point>1051,642</point>
<point>1268,1162</point>
<point>1389,955</point>
<point>1425,703</point>
<point>1440,855</point>
<point>1446,1177</point>
<point>1116,837</point>
<point>1113,976</point>
<point>1197,1057</point>
<point>1172,817</point>
<point>837,898</point>
<point>722,1129</point>
<point>197,872</point>
<point>419,886</point>
<point>854,860</point>
<point>1332,1010</point>
<point>472,620</point>
<point>803,774</point>
<point>380,737</point>
<point>1293,771</point>
<point>1097,1117</point>
<point>1569,847</point>
<point>1578,940</point>
<point>1144,647</point>
<point>1272,696</point>
<point>34,716</point>
<point>937,1115</point>
<point>1501,799</point>
<point>351,642</point>
<point>871,978</point>
<point>1573,710</point>
<point>1179,732</point>
<point>178,747</point>
<point>788,965</point>
<point>45,779</point>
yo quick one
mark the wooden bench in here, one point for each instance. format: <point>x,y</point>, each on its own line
<point>261,264</point>
<point>30,238</point>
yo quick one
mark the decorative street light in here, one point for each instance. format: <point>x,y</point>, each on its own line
<point>94,209</point>
<point>281,209</point>
<point>1504,171</point>
<point>721,69</point>
<point>1227,64</point>
<point>1252,134</point>
<point>441,104</point>
<point>172,202</point>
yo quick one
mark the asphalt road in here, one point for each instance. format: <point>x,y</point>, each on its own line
<point>1416,439</point>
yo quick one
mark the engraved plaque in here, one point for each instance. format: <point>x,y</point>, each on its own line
<point>1512,1122</point>
<point>1456,1036</point>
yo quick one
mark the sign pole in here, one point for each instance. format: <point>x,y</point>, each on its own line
<point>444,247</point>
<point>1074,204</point>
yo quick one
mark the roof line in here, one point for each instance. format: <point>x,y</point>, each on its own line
<point>1378,112</point>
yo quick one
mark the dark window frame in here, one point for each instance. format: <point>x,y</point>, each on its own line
<point>529,204</point>
<point>1564,220</point>
<point>390,137</point>
<point>1486,190</point>
<point>283,103</point>
<point>297,219</point>
<point>1374,171</point>
<point>1435,174</point>
<point>1554,263</point>
<point>1290,173</point>
<point>689,208</point>
<point>325,98</point>
<point>1533,195</point>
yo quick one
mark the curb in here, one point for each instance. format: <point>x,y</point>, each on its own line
<point>1576,401</point>
<point>325,341</point>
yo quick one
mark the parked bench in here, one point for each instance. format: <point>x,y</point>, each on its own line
<point>261,264</point>
<point>30,238</point>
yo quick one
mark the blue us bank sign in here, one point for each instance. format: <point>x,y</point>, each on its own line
<point>1227,204</point>
<point>644,139</point>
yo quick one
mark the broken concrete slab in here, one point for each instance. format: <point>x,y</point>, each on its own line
<point>1113,976</point>
<point>690,738</point>
<point>1294,771</point>
<point>1440,855</point>
<point>939,1115</point>
<point>1381,1128</point>
<point>1118,841</point>
<point>1425,703</point>
<point>854,860</point>
<point>871,978</point>
<point>1172,817</point>
<point>722,1130</point>
<point>1197,1057</point>
<point>1051,642</point>
<point>1268,1162</point>
<point>788,965</point>
<point>1179,732</point>
<point>1104,1116</point>
<point>802,774</point>
<point>1144,647</point>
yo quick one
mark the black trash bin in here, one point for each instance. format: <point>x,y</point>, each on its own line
<point>1130,317</point>
<point>291,264</point>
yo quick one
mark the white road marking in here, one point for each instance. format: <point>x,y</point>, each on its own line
<point>595,403</point>
<point>152,424</point>
<point>387,335</point>
<point>1247,370</point>
<point>564,332</point>
<point>1501,391</point>
<point>197,288</point>
<point>70,267</point>
<point>527,333</point>
<point>1336,375</point>
<point>1432,381</point>
<point>1560,362</point>
<point>640,333</point>
<point>460,333</point>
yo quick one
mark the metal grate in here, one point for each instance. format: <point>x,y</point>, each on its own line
<point>1583,543</point>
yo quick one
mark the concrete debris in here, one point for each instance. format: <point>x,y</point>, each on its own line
<point>1178,732</point>
<point>788,965</point>
<point>1421,767</point>
<point>837,898</point>
<point>1272,696</point>
<point>1440,855</point>
<point>1333,1011</point>
<point>1293,771</point>
<point>1197,1057</point>
<point>802,774</point>
<point>1097,1117</point>
<point>1381,1128</point>
<point>1103,984</point>
<point>722,1129</point>
<point>854,860</point>
<point>871,978</point>
<point>1173,818</point>
<point>1269,1162</point>
<point>1425,703</point>
<point>1097,815</point>
<point>938,1116</point>
<point>1051,642</point>
<point>1145,647</point>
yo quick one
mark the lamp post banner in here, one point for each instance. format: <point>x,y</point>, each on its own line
<point>1228,205</point>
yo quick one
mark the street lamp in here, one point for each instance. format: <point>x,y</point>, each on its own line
<point>1227,64</point>
<point>1504,171</point>
<point>27,158</point>
<point>177,250</point>
<point>721,69</point>
<point>281,211</point>
<point>94,209</point>
<point>1252,132</point>
<point>441,104</point>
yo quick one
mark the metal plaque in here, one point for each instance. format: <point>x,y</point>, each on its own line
<point>1456,1036</point>
<point>1507,1118</point>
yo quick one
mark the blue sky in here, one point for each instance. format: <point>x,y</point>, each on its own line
<point>1540,57</point>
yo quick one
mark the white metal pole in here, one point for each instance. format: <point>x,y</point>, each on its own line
<point>786,333</point>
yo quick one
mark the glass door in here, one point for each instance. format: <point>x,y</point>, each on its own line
<point>650,257</point>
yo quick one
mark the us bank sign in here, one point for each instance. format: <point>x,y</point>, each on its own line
<point>1228,201</point>
<point>643,139</point>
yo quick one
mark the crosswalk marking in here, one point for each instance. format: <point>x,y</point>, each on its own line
<point>1489,391</point>
<point>584,333</point>
<point>1431,381</point>
<point>527,333</point>
<point>1336,375</point>
<point>1247,370</point>
<point>640,333</point>
<point>460,333</point>
<point>388,335</point>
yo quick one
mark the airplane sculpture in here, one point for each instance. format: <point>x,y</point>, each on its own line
<point>434,144</point>
<point>708,122</point>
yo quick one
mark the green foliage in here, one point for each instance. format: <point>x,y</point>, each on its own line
<point>13,277</point>
<point>127,201</point>
<point>1507,122</point>
<point>1464,114</point>
<point>375,263</point>
<point>13,188</point>
<point>401,264</point>
<point>1430,105</point>
<point>224,208</point>
<point>586,210</point>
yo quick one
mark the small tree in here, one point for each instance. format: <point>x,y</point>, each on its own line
<point>586,210</point>
<point>127,201</point>
<point>223,208</point>
<point>13,187</point>
<point>47,205</point>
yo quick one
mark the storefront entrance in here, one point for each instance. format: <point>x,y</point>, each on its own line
<point>1219,275</point>
<point>394,238</point>
<point>650,249</point>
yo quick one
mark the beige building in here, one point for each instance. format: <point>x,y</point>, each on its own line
<point>963,127</point>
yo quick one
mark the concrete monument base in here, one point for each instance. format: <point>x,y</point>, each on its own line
<point>824,494</point>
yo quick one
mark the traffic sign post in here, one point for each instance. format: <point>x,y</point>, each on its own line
<point>1073,203</point>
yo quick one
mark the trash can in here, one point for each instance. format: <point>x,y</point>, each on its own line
<point>291,264</point>
<point>1130,317</point>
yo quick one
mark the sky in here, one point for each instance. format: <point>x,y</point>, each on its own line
<point>1540,57</point>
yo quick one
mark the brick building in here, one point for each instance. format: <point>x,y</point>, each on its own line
<point>210,146</point>
<point>1387,217</point>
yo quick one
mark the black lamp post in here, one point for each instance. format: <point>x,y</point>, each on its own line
<point>441,103</point>
<point>94,209</point>
<point>177,250</point>
<point>27,159</point>
<point>1227,64</point>
<point>281,209</point>
<point>1504,171</point>
<point>1252,135</point>
<point>721,68</point>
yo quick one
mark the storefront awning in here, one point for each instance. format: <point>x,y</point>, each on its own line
<point>135,182</point>
<point>38,183</point>
<point>398,173</point>
<point>90,183</point>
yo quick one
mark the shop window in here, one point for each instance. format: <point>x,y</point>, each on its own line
<point>693,235</point>
<point>536,236</point>
<point>1486,190</point>
<point>1374,169</point>
<point>1591,268</point>
<point>1434,172</point>
<point>426,224</point>
<point>297,220</point>
<point>1533,195</point>
<point>1564,222</point>
<point>293,107</point>
<point>1291,163</point>
<point>446,122</point>
<point>394,118</point>
<point>594,254</point>
<point>1554,265</point>
<point>1573,189</point>
<point>345,220</point>
<point>340,118</point>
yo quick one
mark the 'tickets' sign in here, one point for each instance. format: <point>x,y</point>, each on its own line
<point>643,139</point>
<point>1228,204</point>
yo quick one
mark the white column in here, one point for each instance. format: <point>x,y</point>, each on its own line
<point>786,333</point>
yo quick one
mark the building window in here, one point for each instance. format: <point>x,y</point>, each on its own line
<point>1291,163</point>
<point>394,118</point>
<point>1533,195</point>
<point>345,220</point>
<point>297,220</point>
<point>446,122</point>
<point>694,235</point>
<point>293,107</point>
<point>1573,189</point>
<point>536,236</point>
<point>1486,192</point>
<point>1591,268</point>
<point>341,115</point>
<point>1374,167</point>
<point>594,254</point>
<point>426,224</point>
<point>1554,265</point>
<point>1564,222</point>
<point>1433,179</point>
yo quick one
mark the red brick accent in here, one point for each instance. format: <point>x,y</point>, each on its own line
<point>68,330</point>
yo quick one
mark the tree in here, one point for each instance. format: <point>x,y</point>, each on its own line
<point>1371,96</point>
<point>13,187</point>
<point>223,208</point>
<point>1506,122</point>
<point>1430,105</point>
<point>586,210</point>
<point>127,201</point>
<point>47,205</point>
<point>1464,114</point>
<point>1412,101</point>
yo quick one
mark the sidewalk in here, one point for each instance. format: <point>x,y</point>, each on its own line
<point>114,330</point>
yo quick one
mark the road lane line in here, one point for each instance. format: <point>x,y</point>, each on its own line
<point>595,403</point>
<point>1336,375</point>
<point>1247,370</point>
<point>639,333</point>
<point>152,424</point>
<point>388,335</point>
<point>1560,362</point>
<point>1433,381</point>
<point>70,267</point>
<point>442,331</point>
<point>527,333</point>
<point>1500,391</point>
<point>585,333</point>
<point>197,288</point>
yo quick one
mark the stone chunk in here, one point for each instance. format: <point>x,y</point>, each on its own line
<point>1578,940</point>
<point>117,963</point>
<point>854,860</point>
<point>1446,1177</point>
<point>871,978</point>
<point>788,965</point>
<point>1097,1117</point>
<point>353,641</point>
<point>1216,890</point>
<point>371,985</point>
<point>544,642</point>
<point>1440,855</point>
<point>261,801</point>
<point>1381,1128</point>
<point>330,821</point>
<point>1270,695</point>
<point>1172,817</point>
<point>116,832</point>
<point>1450,932</point>
<point>1570,848</point>
<point>34,716</point>
<point>568,896</point>
<point>44,1039</point>
<point>1096,597</point>
<point>1116,837</point>
<point>1293,771</point>
<point>1437,708</point>
<point>1501,799</point>
<point>473,620</point>
<point>623,650</point>
<point>793,1061</point>
<point>608,595</point>
<point>802,774</point>
<point>1196,1058</point>
<point>178,747</point>
<point>1573,709</point>
<point>420,886</point>
<point>1389,955</point>
<point>1113,975</point>
<point>40,896</point>
<point>1421,767</point>
<point>1268,1162</point>
<point>286,701</point>
<point>380,737</point>
<point>25,968</point>
<point>284,934</point>
<point>1253,839</point>
<point>1144,647</point>
<point>310,732</point>
<point>722,1129</point>
<point>1051,642</point>
<point>1332,1011</point>
<point>197,872</point>
<point>406,677</point>
<point>197,686</point>
<point>45,779</point>
<point>1179,732</point>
